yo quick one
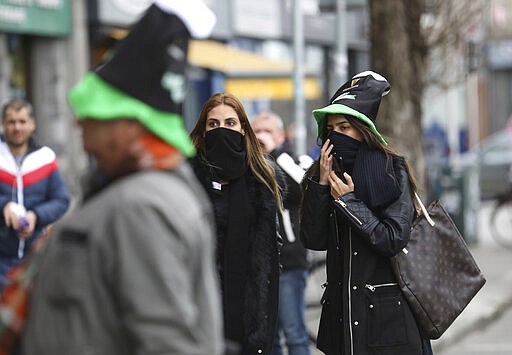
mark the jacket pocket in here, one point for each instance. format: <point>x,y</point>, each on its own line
<point>386,318</point>
<point>69,283</point>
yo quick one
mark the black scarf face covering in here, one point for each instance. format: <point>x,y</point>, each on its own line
<point>374,177</point>
<point>225,150</point>
<point>346,148</point>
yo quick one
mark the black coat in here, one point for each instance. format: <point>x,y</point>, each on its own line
<point>292,255</point>
<point>260,313</point>
<point>363,309</point>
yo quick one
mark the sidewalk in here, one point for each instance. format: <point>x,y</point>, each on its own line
<point>494,297</point>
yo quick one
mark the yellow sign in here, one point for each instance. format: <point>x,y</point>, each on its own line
<point>249,75</point>
<point>270,88</point>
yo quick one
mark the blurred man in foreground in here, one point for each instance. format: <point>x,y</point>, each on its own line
<point>132,270</point>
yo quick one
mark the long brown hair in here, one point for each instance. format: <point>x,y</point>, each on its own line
<point>260,165</point>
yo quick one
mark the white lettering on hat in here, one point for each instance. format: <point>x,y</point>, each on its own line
<point>375,75</point>
<point>175,84</point>
<point>346,96</point>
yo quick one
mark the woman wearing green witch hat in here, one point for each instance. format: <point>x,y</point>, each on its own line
<point>358,205</point>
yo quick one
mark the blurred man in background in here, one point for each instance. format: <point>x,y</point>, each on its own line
<point>269,130</point>
<point>32,191</point>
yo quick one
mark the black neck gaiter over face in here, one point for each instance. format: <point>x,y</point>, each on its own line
<point>345,147</point>
<point>225,150</point>
<point>373,175</point>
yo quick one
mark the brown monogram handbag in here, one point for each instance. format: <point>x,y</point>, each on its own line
<point>436,271</point>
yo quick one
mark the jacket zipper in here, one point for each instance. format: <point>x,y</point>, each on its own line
<point>349,292</point>
<point>374,287</point>
<point>349,212</point>
<point>337,232</point>
<point>19,199</point>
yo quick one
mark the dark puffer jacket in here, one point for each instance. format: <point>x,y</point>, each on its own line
<point>260,315</point>
<point>363,309</point>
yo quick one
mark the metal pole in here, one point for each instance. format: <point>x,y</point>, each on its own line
<point>298,78</point>
<point>5,70</point>
<point>340,57</point>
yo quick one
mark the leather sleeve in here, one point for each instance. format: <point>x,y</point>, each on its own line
<point>386,229</point>
<point>314,223</point>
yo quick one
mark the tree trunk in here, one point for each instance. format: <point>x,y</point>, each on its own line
<point>398,53</point>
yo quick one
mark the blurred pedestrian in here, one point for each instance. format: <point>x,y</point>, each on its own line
<point>241,183</point>
<point>358,205</point>
<point>293,257</point>
<point>131,271</point>
<point>33,194</point>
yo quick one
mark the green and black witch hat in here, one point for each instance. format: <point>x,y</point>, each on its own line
<point>359,97</point>
<point>144,79</point>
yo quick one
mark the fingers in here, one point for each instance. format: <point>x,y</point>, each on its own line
<point>350,183</point>
<point>10,218</point>
<point>325,152</point>
<point>334,182</point>
<point>31,219</point>
<point>338,187</point>
<point>325,162</point>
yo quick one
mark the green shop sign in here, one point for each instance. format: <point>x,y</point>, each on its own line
<point>39,17</point>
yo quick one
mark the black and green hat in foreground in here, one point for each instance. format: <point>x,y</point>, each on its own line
<point>359,97</point>
<point>144,79</point>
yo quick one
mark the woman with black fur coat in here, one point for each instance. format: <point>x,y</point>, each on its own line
<point>242,185</point>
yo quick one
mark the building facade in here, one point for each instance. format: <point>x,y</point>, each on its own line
<point>46,46</point>
<point>43,51</point>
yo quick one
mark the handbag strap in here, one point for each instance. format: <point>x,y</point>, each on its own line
<point>424,210</point>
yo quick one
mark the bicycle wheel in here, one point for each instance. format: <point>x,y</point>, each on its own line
<point>501,223</point>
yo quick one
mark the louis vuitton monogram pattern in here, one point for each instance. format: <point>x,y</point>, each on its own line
<point>436,272</point>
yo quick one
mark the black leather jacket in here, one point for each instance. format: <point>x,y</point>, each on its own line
<point>363,311</point>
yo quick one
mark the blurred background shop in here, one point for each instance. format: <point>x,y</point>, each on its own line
<point>251,52</point>
<point>283,55</point>
<point>46,45</point>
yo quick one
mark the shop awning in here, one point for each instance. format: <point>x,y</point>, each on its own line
<point>249,75</point>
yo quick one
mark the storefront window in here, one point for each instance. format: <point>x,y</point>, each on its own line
<point>17,54</point>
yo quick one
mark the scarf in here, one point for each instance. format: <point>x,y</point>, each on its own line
<point>373,175</point>
<point>225,150</point>
<point>345,150</point>
<point>226,153</point>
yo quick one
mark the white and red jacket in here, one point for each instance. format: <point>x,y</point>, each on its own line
<point>36,184</point>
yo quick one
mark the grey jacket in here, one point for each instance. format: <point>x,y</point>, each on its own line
<point>131,271</point>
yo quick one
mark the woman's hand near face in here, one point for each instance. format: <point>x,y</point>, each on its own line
<point>325,163</point>
<point>338,187</point>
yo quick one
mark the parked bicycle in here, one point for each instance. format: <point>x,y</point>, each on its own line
<point>501,220</point>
